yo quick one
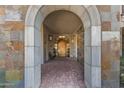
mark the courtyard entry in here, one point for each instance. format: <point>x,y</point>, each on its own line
<point>41,42</point>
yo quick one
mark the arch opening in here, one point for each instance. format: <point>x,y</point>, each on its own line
<point>34,43</point>
<point>63,45</point>
<point>59,29</point>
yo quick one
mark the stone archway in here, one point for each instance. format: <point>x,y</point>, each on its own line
<point>33,42</point>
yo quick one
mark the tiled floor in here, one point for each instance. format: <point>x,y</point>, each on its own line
<point>62,73</point>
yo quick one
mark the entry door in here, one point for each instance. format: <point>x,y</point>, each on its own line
<point>62,48</point>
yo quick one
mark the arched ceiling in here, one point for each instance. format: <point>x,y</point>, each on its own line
<point>62,22</point>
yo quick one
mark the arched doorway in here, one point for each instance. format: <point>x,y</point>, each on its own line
<point>92,43</point>
<point>62,29</point>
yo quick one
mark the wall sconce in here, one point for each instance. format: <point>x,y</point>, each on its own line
<point>50,37</point>
<point>122,13</point>
<point>122,17</point>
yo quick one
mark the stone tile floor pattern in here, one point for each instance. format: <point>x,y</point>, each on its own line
<point>62,73</point>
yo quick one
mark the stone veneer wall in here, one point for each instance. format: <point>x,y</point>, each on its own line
<point>12,20</point>
<point>110,17</point>
<point>33,58</point>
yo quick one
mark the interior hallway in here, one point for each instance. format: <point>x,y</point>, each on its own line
<point>62,73</point>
